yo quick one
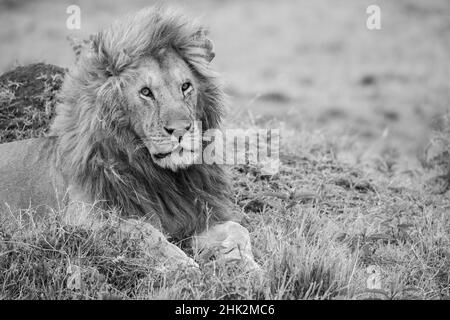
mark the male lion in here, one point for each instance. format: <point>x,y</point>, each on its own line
<point>125,137</point>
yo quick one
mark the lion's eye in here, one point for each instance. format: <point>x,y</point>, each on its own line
<point>186,88</point>
<point>146,92</point>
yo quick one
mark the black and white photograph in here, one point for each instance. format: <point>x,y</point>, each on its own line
<point>205,151</point>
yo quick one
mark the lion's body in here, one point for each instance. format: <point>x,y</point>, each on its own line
<point>101,142</point>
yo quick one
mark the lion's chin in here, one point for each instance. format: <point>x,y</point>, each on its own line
<point>176,160</point>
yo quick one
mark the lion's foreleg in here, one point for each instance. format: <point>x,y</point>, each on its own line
<point>153,243</point>
<point>227,241</point>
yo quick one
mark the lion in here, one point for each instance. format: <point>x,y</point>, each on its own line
<point>127,138</point>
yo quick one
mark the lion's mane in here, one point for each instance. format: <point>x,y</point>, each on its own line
<point>99,152</point>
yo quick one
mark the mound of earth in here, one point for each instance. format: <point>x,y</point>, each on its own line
<point>27,100</point>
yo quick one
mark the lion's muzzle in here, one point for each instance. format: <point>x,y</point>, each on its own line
<point>178,128</point>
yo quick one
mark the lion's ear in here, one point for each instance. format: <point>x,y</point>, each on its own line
<point>203,44</point>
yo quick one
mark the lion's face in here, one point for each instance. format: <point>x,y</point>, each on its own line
<point>162,94</point>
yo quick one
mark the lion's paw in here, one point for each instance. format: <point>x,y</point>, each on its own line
<point>225,243</point>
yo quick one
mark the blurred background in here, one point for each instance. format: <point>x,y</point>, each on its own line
<point>291,64</point>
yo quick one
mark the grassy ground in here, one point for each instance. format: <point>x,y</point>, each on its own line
<point>358,195</point>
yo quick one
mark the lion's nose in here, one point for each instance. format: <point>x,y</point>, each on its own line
<point>178,127</point>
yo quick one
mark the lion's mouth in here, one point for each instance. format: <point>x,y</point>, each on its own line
<point>160,156</point>
<point>178,155</point>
